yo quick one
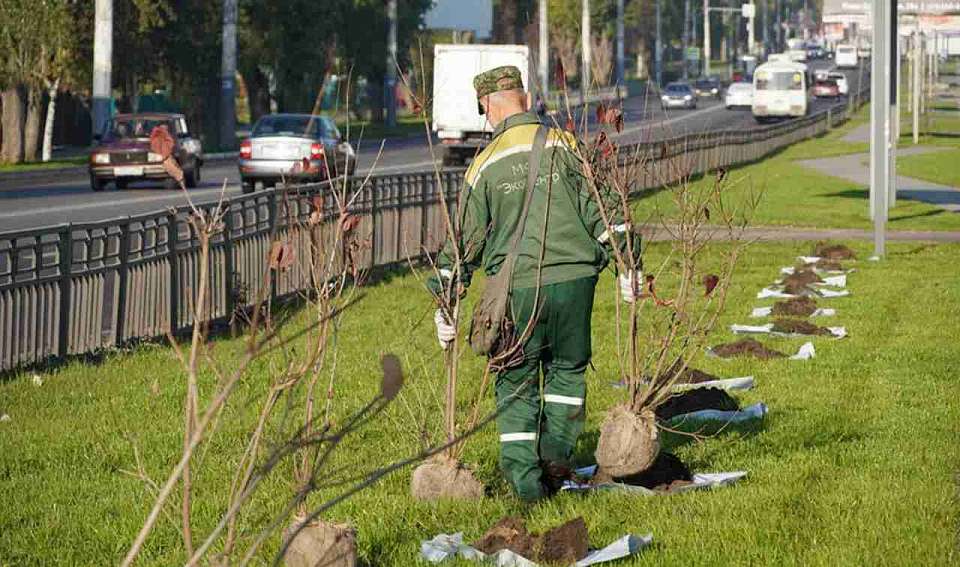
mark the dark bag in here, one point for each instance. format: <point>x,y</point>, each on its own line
<point>491,327</point>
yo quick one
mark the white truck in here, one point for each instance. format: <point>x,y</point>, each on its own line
<point>456,119</point>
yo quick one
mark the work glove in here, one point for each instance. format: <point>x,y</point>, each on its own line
<point>446,332</point>
<point>630,286</point>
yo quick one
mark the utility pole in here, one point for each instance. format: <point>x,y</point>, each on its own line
<point>658,46</point>
<point>620,47</point>
<point>686,36</point>
<point>390,82</point>
<point>765,25</point>
<point>585,48</point>
<point>228,74</point>
<point>915,90</point>
<point>751,37</point>
<point>544,52</point>
<point>706,38</point>
<point>893,51</point>
<point>779,20</point>
<point>880,124</point>
<point>102,63</point>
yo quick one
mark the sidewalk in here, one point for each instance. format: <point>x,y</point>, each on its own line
<point>856,168</point>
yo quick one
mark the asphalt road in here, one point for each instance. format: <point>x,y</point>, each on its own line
<point>66,197</point>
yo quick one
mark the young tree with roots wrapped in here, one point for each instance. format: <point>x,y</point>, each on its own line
<point>528,218</point>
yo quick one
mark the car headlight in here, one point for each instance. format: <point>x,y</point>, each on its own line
<point>688,97</point>
<point>101,158</point>
<point>152,157</point>
<point>665,98</point>
<point>715,91</point>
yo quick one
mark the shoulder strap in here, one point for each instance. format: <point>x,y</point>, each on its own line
<point>533,171</point>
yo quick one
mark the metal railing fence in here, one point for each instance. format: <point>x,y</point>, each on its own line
<point>79,288</point>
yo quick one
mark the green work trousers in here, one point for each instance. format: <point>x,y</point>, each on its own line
<point>539,423</point>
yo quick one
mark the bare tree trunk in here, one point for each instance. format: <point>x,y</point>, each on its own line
<point>52,89</point>
<point>258,94</point>
<point>31,131</point>
<point>11,150</point>
<point>506,23</point>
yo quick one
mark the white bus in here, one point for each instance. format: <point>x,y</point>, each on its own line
<point>846,57</point>
<point>779,91</point>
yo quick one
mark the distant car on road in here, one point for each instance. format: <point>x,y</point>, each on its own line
<point>739,95</point>
<point>678,95</point>
<point>300,147</point>
<point>708,87</point>
<point>842,84</point>
<point>122,152</point>
<point>826,88</point>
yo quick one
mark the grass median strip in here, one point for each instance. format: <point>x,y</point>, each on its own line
<point>855,464</point>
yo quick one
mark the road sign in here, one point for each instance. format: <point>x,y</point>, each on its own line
<point>693,54</point>
<point>749,10</point>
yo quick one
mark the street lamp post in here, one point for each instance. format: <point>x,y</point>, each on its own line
<point>544,51</point>
<point>658,46</point>
<point>102,63</point>
<point>585,48</point>
<point>228,73</point>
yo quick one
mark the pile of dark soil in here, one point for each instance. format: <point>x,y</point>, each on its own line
<point>563,545</point>
<point>696,400</point>
<point>833,251</point>
<point>799,327</point>
<point>746,347</point>
<point>798,281</point>
<point>796,307</point>
<point>665,474</point>
<point>689,375</point>
<point>829,265</point>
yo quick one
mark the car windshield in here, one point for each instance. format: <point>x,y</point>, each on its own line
<point>678,89</point>
<point>302,126</point>
<point>780,81</point>
<point>132,128</point>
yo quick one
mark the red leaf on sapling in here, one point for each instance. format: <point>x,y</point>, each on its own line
<point>570,126</point>
<point>710,282</point>
<point>561,74</point>
<point>281,255</point>
<point>349,222</point>
<point>601,113</point>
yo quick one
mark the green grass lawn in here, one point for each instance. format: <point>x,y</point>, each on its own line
<point>798,196</point>
<point>855,465</point>
<point>939,167</point>
<point>41,165</point>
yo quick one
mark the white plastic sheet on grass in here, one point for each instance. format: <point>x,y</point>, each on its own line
<point>743,383</point>
<point>759,312</point>
<point>769,292</point>
<point>828,281</point>
<point>756,411</point>
<point>837,332</point>
<point>700,481</point>
<point>448,546</point>
<point>4,417</point>
<point>790,270</point>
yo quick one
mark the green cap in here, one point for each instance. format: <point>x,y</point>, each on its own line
<point>499,79</point>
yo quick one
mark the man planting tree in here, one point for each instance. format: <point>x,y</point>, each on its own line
<point>527,217</point>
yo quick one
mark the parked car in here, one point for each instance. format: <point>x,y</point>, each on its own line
<point>739,95</point>
<point>122,152</point>
<point>678,95</point>
<point>299,147</point>
<point>826,88</point>
<point>708,87</point>
<point>842,84</point>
